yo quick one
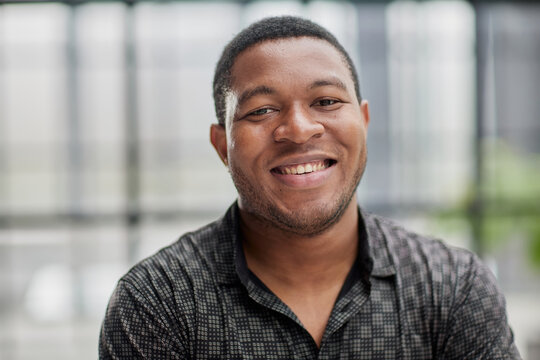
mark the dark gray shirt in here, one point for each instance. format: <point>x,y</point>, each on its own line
<point>407,297</point>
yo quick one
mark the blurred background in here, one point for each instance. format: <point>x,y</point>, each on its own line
<point>105,108</point>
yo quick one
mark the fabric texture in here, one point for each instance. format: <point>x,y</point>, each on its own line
<point>420,299</point>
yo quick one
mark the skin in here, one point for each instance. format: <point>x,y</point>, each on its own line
<point>293,102</point>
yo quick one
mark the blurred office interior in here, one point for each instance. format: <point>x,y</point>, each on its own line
<point>105,108</point>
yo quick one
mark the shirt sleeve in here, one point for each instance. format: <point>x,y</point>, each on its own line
<point>478,326</point>
<point>134,328</point>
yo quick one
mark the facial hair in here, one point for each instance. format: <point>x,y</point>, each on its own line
<point>309,222</point>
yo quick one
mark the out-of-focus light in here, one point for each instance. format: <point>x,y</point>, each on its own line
<point>50,297</point>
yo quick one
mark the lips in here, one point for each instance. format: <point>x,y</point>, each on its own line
<point>304,168</point>
<point>304,173</point>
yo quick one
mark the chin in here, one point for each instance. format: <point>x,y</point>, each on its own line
<point>309,219</point>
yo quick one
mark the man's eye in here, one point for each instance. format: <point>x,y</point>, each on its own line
<point>327,102</point>
<point>262,111</point>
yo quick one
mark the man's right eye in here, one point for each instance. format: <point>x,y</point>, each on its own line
<point>258,115</point>
<point>262,111</point>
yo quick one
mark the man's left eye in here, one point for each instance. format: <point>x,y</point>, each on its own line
<point>327,102</point>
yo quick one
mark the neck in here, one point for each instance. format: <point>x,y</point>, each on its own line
<point>286,260</point>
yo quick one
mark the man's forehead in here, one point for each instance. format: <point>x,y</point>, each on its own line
<point>281,46</point>
<point>279,50</point>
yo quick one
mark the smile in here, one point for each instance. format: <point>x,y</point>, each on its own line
<point>305,168</point>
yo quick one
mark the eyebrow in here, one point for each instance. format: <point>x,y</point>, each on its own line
<point>259,90</point>
<point>331,81</point>
<point>266,90</point>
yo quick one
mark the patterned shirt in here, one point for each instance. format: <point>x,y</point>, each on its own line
<point>409,297</point>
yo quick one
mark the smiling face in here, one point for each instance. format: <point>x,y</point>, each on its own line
<point>295,136</point>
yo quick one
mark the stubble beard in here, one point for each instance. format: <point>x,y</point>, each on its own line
<point>310,220</point>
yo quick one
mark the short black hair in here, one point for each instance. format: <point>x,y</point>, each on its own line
<point>272,28</point>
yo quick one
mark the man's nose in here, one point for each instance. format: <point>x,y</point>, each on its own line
<point>297,125</point>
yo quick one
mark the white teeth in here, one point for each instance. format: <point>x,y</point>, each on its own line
<point>303,169</point>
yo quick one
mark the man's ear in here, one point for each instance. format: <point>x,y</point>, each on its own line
<point>364,109</point>
<point>218,138</point>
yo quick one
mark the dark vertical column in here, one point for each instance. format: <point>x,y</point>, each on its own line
<point>132,144</point>
<point>75,158</point>
<point>373,73</point>
<point>476,210</point>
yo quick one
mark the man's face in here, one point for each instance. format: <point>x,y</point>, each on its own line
<point>295,137</point>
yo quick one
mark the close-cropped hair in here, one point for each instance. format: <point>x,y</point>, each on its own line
<point>271,28</point>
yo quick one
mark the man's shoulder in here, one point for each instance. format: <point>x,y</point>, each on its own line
<point>195,256</point>
<point>431,275</point>
<point>410,254</point>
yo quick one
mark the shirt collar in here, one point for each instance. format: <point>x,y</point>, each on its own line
<point>228,235</point>
<point>231,263</point>
<point>383,264</point>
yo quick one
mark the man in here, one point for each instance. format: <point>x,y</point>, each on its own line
<point>294,269</point>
